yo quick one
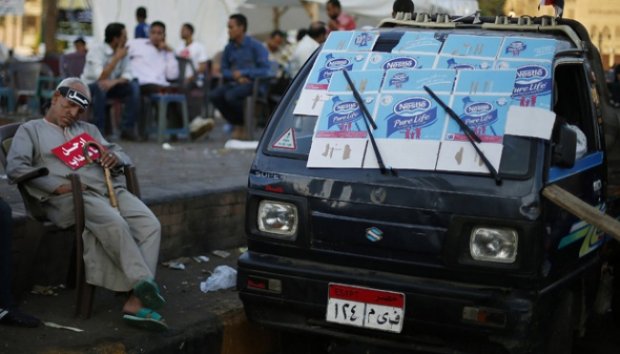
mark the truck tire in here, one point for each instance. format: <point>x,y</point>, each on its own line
<point>561,326</point>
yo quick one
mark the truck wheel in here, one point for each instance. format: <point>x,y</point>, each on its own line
<point>560,334</point>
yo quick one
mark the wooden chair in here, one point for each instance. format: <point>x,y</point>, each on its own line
<point>84,292</point>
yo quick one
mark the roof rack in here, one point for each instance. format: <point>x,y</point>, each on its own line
<point>502,23</point>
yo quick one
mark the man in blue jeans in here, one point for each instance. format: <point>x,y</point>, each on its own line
<point>108,74</point>
<point>244,59</point>
<point>9,315</point>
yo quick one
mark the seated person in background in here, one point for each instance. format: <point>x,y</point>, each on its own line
<point>154,65</point>
<point>121,246</point>
<point>338,19</point>
<point>244,60</point>
<point>142,28</point>
<point>316,34</point>
<point>279,51</point>
<point>80,46</point>
<point>9,314</point>
<point>194,77</point>
<point>108,75</point>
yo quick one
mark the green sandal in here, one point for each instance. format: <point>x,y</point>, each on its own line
<point>147,319</point>
<point>148,292</point>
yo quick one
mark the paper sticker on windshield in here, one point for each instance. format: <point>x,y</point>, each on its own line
<point>286,141</point>
<point>419,42</point>
<point>471,46</point>
<point>528,48</point>
<point>351,41</point>
<point>406,116</point>
<point>337,153</point>
<point>366,82</point>
<point>400,81</point>
<point>390,61</point>
<point>485,115</point>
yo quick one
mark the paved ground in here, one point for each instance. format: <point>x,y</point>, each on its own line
<point>199,322</point>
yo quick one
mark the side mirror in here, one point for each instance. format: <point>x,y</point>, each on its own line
<point>564,148</point>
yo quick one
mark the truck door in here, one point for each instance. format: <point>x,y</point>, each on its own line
<point>569,240</point>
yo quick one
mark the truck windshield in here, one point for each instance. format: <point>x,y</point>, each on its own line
<point>409,80</point>
<point>297,131</point>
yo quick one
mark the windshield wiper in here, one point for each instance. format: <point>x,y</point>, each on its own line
<point>471,136</point>
<point>368,119</point>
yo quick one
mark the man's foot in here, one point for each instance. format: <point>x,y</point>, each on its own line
<point>14,317</point>
<point>239,133</point>
<point>200,126</point>
<point>147,319</point>
<point>148,292</point>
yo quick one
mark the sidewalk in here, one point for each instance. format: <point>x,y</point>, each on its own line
<point>197,190</point>
<point>199,323</point>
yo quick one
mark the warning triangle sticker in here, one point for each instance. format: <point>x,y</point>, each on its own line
<point>286,140</point>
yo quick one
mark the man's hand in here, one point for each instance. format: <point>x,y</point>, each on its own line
<point>105,85</point>
<point>108,160</point>
<point>164,46</point>
<point>236,74</point>
<point>121,52</point>
<point>66,188</point>
<point>333,25</point>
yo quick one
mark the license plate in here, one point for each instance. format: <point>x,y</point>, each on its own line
<point>365,307</point>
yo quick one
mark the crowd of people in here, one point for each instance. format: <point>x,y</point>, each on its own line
<point>130,70</point>
<point>122,246</point>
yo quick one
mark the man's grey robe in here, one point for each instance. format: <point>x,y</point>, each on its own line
<point>119,248</point>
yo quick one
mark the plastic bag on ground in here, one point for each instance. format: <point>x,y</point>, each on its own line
<point>223,277</point>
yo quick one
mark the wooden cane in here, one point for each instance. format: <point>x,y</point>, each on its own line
<point>106,171</point>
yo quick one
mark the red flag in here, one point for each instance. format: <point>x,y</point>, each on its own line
<point>71,152</point>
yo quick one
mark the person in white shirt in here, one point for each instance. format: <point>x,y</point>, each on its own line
<point>152,60</point>
<point>108,75</point>
<point>317,34</point>
<point>194,76</point>
<point>194,51</point>
<point>154,65</point>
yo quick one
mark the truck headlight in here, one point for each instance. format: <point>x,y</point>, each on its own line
<point>493,244</point>
<point>277,218</point>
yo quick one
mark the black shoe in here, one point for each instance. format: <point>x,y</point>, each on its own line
<point>129,136</point>
<point>17,318</point>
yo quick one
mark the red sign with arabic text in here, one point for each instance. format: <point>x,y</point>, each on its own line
<point>71,152</point>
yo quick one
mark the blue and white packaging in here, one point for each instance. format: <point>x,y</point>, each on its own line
<point>491,82</point>
<point>342,117</point>
<point>485,115</point>
<point>471,46</point>
<point>390,61</point>
<point>527,48</point>
<point>440,81</point>
<point>419,43</point>
<point>314,93</point>
<point>409,116</point>
<point>366,82</point>
<point>533,83</point>
<point>337,41</point>
<point>460,63</point>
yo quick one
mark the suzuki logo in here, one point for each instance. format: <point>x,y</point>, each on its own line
<point>374,234</point>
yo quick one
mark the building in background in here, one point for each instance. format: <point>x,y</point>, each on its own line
<point>20,25</point>
<point>600,17</point>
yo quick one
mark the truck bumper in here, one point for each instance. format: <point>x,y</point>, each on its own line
<point>292,294</point>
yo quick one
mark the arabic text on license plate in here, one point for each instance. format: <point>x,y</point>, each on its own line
<point>364,307</point>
